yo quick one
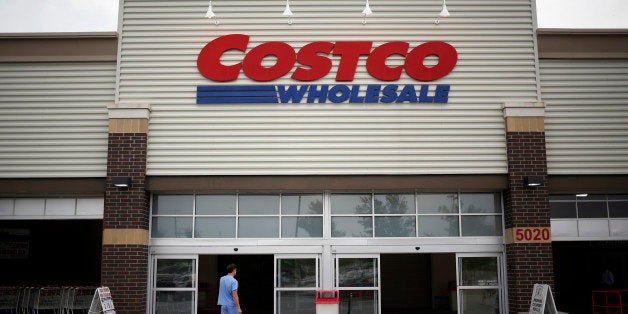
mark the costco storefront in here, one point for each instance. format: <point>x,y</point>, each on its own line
<point>412,162</point>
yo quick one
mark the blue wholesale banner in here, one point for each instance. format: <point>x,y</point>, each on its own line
<point>295,94</point>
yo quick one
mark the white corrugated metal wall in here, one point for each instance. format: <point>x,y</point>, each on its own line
<point>587,116</point>
<point>160,41</point>
<point>53,119</point>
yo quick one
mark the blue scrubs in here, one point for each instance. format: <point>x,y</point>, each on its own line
<point>228,284</point>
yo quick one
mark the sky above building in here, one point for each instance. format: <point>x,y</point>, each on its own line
<point>19,16</point>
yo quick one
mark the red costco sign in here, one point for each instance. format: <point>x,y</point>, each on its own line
<point>313,62</point>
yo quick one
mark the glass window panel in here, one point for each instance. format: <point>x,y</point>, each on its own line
<point>618,209</point>
<point>362,301</point>
<point>215,204</point>
<point>216,227</point>
<point>177,273</point>
<point>258,204</point>
<point>351,227</point>
<point>478,271</point>
<point>395,226</point>
<point>592,210</point>
<point>301,227</point>
<point>438,226</point>
<point>477,226</point>
<point>563,210</point>
<point>258,227</point>
<point>618,197</point>
<point>438,203</point>
<point>174,302</point>
<point>290,302</point>
<point>565,197</point>
<point>479,301</point>
<point>357,272</point>
<point>171,227</point>
<point>297,273</point>
<point>394,204</point>
<point>173,205</point>
<point>302,204</point>
<point>351,204</point>
<point>480,203</point>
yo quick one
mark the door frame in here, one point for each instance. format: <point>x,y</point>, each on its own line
<point>152,271</point>
<point>276,288</point>
<point>501,279</point>
<point>377,289</point>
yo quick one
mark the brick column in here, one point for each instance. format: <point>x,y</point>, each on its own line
<point>526,209</point>
<point>126,212</point>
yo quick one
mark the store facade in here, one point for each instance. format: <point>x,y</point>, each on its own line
<point>326,151</point>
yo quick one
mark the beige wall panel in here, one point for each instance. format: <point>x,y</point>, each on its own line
<point>586,116</point>
<point>53,119</point>
<point>160,42</point>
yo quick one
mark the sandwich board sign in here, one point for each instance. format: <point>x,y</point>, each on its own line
<point>542,300</point>
<point>102,302</point>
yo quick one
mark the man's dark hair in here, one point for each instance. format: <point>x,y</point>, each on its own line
<point>231,267</point>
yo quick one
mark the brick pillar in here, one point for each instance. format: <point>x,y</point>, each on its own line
<point>526,209</point>
<point>126,212</point>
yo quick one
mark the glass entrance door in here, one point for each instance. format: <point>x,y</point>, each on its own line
<point>479,283</point>
<point>174,284</point>
<point>296,281</point>
<point>357,277</point>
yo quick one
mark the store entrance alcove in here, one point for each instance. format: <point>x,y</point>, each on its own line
<point>410,283</point>
<point>418,283</point>
<point>255,278</point>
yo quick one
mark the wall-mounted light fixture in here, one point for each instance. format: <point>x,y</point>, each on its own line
<point>287,12</point>
<point>121,182</point>
<point>367,11</point>
<point>532,181</point>
<point>443,12</point>
<point>210,13</point>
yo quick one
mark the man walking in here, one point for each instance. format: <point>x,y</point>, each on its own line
<point>228,292</point>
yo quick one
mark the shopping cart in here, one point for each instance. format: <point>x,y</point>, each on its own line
<point>47,299</point>
<point>9,297</point>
